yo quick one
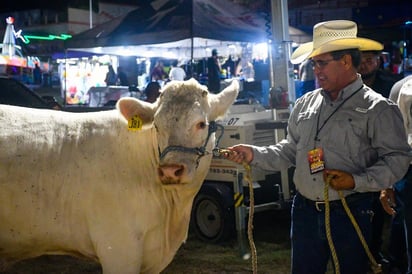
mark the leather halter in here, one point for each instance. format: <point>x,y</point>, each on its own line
<point>199,151</point>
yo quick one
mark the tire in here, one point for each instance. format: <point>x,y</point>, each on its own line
<point>212,217</point>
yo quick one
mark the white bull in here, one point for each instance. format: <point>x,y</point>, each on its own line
<point>86,184</point>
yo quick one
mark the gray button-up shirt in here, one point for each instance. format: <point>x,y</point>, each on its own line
<point>361,133</point>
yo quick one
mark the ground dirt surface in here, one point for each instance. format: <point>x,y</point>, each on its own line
<point>270,235</point>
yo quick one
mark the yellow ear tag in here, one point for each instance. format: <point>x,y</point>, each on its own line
<point>135,123</point>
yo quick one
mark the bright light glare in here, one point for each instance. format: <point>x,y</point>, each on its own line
<point>3,61</point>
<point>260,51</point>
<point>125,51</point>
<point>105,59</point>
<point>98,50</point>
<point>170,55</point>
<point>149,53</point>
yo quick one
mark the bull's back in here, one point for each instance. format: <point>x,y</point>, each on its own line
<point>46,145</point>
<point>48,161</point>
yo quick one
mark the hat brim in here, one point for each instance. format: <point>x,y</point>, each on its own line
<point>306,50</point>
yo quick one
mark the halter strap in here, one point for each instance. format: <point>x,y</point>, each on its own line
<point>199,151</point>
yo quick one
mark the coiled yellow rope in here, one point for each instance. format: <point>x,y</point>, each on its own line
<point>376,268</point>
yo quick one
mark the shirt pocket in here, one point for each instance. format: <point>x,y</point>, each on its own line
<point>306,129</point>
<point>348,136</point>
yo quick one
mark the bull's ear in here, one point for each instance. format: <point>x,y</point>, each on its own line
<point>131,107</point>
<point>221,102</point>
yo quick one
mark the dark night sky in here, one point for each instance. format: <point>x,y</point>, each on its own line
<point>16,5</point>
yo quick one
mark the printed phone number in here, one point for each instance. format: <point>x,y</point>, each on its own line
<point>223,171</point>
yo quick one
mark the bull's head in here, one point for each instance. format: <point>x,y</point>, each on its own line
<point>182,116</point>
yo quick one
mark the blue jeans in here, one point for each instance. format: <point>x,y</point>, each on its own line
<point>310,249</point>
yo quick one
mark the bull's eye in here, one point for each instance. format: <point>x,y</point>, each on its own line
<point>201,125</point>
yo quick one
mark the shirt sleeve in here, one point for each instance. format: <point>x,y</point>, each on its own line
<point>387,136</point>
<point>274,157</point>
<point>281,155</point>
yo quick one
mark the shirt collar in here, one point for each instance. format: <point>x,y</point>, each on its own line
<point>346,91</point>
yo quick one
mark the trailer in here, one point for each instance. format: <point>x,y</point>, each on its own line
<point>220,208</point>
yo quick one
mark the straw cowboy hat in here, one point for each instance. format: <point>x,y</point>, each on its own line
<point>332,36</point>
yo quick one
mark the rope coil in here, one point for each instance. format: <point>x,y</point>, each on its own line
<point>376,268</point>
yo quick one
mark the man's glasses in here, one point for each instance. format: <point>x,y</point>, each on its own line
<point>320,64</point>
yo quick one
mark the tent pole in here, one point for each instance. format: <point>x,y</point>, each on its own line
<point>65,78</point>
<point>191,57</point>
<point>191,40</point>
<point>90,14</point>
<point>281,69</point>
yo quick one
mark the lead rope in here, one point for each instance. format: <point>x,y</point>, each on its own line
<point>248,178</point>
<point>376,268</point>
<point>327,226</point>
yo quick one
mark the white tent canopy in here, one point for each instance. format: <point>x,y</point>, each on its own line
<point>185,28</point>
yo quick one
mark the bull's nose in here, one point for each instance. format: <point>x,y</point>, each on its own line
<point>171,174</point>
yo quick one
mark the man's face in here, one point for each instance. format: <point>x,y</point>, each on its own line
<point>369,64</point>
<point>328,72</point>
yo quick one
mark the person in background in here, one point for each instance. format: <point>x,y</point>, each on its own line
<point>122,77</point>
<point>396,64</point>
<point>230,66</point>
<point>152,91</point>
<point>373,74</point>
<point>158,73</point>
<point>213,72</point>
<point>37,74</point>
<point>345,140</point>
<point>381,81</point>
<point>248,71</point>
<point>396,88</point>
<point>397,202</point>
<point>306,77</point>
<point>177,73</point>
<point>111,77</point>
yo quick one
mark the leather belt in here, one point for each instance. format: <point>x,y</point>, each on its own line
<point>350,199</point>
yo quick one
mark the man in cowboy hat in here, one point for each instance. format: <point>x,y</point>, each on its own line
<point>345,140</point>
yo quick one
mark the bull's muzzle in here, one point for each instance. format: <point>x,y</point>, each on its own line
<point>172,173</point>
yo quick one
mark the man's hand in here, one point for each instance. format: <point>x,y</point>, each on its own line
<point>339,180</point>
<point>239,154</point>
<point>388,202</point>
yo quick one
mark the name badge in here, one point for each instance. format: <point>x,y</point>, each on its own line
<point>315,159</point>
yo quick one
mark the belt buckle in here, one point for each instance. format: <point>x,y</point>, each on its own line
<point>317,204</point>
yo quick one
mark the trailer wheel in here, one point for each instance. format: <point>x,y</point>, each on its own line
<point>212,217</point>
